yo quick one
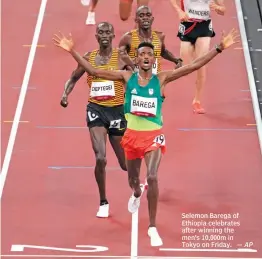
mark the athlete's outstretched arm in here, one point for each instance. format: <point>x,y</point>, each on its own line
<point>226,42</point>
<point>68,45</point>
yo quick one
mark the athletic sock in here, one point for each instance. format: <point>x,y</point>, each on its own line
<point>103,202</point>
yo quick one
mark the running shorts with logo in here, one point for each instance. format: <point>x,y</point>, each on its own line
<point>191,31</point>
<point>111,118</point>
<point>143,111</point>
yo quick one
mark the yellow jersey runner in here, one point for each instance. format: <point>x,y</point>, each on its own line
<point>104,92</point>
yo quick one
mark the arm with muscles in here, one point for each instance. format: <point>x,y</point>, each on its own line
<point>124,49</point>
<point>218,6</point>
<point>183,17</point>
<point>68,45</point>
<point>122,65</point>
<point>70,83</point>
<point>166,54</point>
<point>226,42</point>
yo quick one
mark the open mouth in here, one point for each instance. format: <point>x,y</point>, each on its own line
<point>146,23</point>
<point>104,41</point>
<point>146,62</point>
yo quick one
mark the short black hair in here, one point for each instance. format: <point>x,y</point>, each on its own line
<point>146,44</point>
<point>106,24</point>
<point>143,7</point>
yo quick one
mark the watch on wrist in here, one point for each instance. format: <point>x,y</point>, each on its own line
<point>218,48</point>
<point>178,60</point>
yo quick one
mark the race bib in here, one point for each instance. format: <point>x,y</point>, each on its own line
<point>182,28</point>
<point>154,69</point>
<point>199,12</point>
<point>115,124</point>
<point>160,139</point>
<point>103,90</point>
<point>210,26</point>
<point>143,106</point>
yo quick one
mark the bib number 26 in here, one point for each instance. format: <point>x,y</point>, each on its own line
<point>160,139</point>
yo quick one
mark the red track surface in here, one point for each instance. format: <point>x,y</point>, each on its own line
<point>203,171</point>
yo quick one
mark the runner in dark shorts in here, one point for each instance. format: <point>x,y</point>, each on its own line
<point>111,118</point>
<point>105,110</point>
<point>195,32</point>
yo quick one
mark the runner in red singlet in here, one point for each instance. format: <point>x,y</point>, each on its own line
<point>195,33</point>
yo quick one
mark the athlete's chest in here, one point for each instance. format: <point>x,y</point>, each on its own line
<point>147,91</point>
<point>106,63</point>
<point>197,9</point>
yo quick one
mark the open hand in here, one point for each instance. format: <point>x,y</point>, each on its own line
<point>63,42</point>
<point>230,39</point>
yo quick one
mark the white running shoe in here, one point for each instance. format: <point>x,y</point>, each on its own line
<point>155,239</point>
<point>90,20</point>
<point>133,204</point>
<point>85,2</point>
<point>103,211</point>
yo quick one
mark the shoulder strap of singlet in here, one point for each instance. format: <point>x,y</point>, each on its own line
<point>132,78</point>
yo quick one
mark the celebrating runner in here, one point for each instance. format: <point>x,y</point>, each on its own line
<point>144,137</point>
<point>195,33</point>
<point>105,111</point>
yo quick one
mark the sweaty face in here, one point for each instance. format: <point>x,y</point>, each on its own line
<point>145,58</point>
<point>104,34</point>
<point>144,18</point>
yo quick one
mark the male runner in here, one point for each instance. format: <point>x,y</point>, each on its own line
<point>130,41</point>
<point>195,33</point>
<point>105,111</point>
<point>144,137</point>
<point>125,8</point>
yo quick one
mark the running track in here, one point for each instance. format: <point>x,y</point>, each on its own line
<point>213,163</point>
